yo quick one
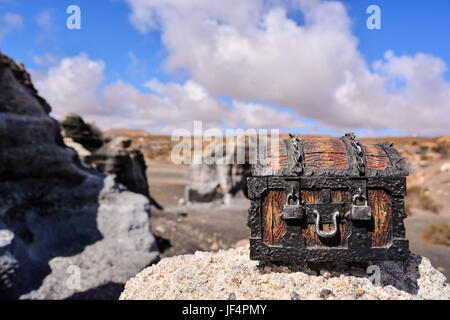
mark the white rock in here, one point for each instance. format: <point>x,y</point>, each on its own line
<point>217,275</point>
<point>6,237</point>
<point>445,167</point>
<point>82,152</point>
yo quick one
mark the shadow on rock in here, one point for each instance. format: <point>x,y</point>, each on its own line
<point>403,275</point>
<point>163,244</point>
<point>46,219</point>
<point>54,213</point>
<point>108,291</point>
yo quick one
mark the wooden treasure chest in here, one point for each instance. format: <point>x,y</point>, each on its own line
<point>328,199</point>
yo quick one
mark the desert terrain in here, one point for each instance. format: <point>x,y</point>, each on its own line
<point>185,229</point>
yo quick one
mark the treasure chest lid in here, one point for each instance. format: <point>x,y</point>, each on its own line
<point>326,156</point>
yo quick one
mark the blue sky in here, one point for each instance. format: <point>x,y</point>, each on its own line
<point>134,57</point>
<point>105,34</point>
<point>407,27</point>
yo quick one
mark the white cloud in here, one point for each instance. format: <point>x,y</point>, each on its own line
<point>13,20</point>
<point>10,22</point>
<point>45,60</point>
<point>168,107</point>
<point>72,85</point>
<point>44,19</point>
<point>251,50</point>
<point>257,116</point>
<point>419,100</point>
<point>76,84</point>
<point>147,15</point>
<point>137,68</point>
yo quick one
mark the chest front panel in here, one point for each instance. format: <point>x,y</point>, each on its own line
<point>379,229</point>
<point>329,200</point>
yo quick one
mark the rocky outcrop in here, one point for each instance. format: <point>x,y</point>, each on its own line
<point>216,183</point>
<point>105,153</point>
<point>118,158</point>
<point>443,146</point>
<point>86,134</point>
<point>232,275</point>
<point>65,231</point>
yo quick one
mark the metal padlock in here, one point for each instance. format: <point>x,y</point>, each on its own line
<point>360,212</point>
<point>292,211</point>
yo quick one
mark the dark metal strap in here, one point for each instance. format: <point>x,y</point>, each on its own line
<point>295,154</point>
<point>358,152</point>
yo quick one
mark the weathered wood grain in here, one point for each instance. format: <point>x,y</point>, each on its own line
<point>277,157</point>
<point>325,154</point>
<point>340,196</point>
<point>376,158</point>
<point>381,206</point>
<point>273,226</point>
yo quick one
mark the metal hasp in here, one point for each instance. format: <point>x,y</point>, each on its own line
<point>328,199</point>
<point>328,234</point>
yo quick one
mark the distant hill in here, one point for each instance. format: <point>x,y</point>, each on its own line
<point>128,132</point>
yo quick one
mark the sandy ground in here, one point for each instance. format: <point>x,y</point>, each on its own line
<point>182,230</point>
<point>185,230</point>
<point>439,255</point>
<point>430,176</point>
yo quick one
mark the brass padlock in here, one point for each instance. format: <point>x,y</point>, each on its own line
<point>292,211</point>
<point>360,211</point>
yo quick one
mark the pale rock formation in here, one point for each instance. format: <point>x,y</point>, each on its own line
<point>230,273</point>
<point>217,183</point>
<point>107,154</point>
<point>56,214</point>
